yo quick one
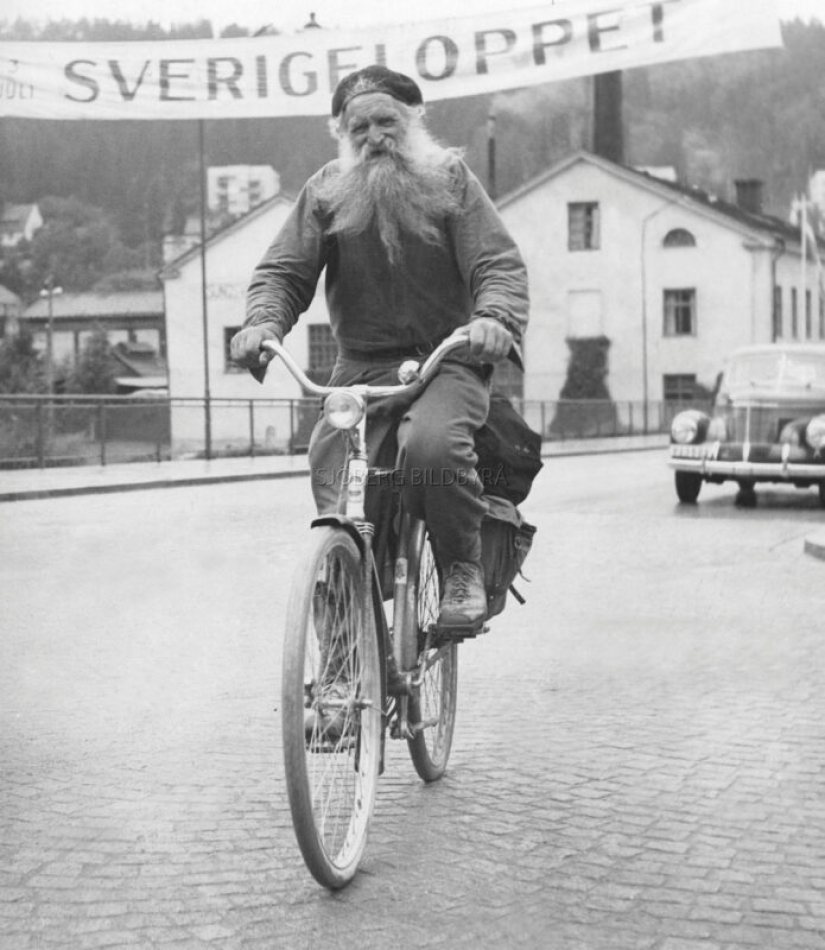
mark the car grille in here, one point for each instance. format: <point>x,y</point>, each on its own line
<point>757,424</point>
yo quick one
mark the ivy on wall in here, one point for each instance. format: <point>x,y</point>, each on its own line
<point>586,368</point>
<point>585,407</point>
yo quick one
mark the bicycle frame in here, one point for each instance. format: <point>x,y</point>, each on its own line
<point>401,674</point>
<point>346,678</point>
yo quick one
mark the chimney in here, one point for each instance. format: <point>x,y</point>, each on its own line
<point>749,194</point>
<point>608,132</point>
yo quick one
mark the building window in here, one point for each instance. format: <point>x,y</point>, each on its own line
<point>583,226</point>
<point>777,313</point>
<point>680,312</point>
<point>679,387</point>
<point>794,314</point>
<point>255,192</point>
<point>322,352</point>
<point>229,366</point>
<point>679,237</point>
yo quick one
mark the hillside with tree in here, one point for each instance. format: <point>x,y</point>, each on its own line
<point>110,191</point>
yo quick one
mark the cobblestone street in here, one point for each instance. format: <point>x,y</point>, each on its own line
<point>638,762</point>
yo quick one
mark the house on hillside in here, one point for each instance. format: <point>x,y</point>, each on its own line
<point>674,278</point>
<point>19,222</point>
<point>237,189</point>
<point>126,316</point>
<point>230,256</point>
<point>231,191</point>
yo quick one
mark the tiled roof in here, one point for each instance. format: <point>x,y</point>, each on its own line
<point>765,223</point>
<point>122,304</point>
<point>762,222</point>
<point>7,298</point>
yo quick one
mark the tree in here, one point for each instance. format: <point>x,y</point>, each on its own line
<point>76,246</point>
<point>95,370</point>
<point>21,365</point>
<point>585,407</point>
<point>587,369</point>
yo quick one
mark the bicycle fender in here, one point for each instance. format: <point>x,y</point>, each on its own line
<point>341,521</point>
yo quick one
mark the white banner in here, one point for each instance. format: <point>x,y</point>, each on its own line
<point>295,74</point>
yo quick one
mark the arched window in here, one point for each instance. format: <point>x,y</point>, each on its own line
<point>679,237</point>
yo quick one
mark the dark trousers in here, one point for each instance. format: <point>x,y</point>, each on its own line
<point>430,440</point>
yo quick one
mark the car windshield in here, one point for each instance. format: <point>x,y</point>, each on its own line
<point>777,370</point>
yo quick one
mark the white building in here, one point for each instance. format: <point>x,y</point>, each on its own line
<point>231,256</point>
<point>674,278</point>
<point>19,222</point>
<point>237,189</point>
<point>231,191</point>
<point>816,189</point>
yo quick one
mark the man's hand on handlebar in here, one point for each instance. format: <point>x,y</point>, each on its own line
<point>490,341</point>
<point>245,349</point>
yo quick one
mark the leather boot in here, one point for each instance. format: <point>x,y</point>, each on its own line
<point>464,604</point>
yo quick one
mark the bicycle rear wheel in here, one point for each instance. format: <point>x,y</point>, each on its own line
<point>433,704</point>
<point>331,707</point>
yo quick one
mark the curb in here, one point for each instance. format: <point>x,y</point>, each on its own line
<point>549,451</point>
<point>815,545</point>
<point>183,482</point>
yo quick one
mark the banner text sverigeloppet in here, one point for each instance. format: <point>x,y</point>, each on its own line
<point>298,73</point>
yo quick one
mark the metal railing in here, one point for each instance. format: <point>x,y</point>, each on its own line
<point>42,431</point>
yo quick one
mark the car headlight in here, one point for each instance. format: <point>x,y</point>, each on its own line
<point>343,409</point>
<point>815,432</point>
<point>689,426</point>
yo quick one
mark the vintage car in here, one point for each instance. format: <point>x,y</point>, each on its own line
<point>767,424</point>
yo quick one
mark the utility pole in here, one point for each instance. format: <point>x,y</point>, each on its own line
<point>491,156</point>
<point>207,393</point>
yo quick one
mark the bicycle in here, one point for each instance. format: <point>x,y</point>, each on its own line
<point>350,674</point>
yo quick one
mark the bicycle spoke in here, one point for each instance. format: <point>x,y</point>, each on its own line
<point>332,740</point>
<point>432,715</point>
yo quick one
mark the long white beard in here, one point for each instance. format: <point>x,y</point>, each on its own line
<point>408,189</point>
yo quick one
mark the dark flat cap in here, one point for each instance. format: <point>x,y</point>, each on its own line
<point>375,79</point>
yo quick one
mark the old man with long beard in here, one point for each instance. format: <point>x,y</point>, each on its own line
<point>413,248</point>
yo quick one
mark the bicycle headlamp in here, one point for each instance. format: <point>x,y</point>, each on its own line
<point>343,409</point>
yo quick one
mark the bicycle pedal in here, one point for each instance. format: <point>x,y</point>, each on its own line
<point>460,634</point>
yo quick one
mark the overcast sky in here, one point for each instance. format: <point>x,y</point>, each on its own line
<point>289,15</point>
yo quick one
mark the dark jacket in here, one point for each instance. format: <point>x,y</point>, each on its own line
<point>375,305</point>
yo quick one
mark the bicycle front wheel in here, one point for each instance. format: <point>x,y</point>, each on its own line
<point>331,707</point>
<point>433,703</point>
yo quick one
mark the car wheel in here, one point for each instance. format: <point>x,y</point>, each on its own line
<point>688,486</point>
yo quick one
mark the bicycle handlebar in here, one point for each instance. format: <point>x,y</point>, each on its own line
<point>423,373</point>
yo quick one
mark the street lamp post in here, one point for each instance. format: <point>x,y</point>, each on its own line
<point>669,203</point>
<point>50,292</point>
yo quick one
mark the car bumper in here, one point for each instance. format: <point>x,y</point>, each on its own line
<point>767,462</point>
